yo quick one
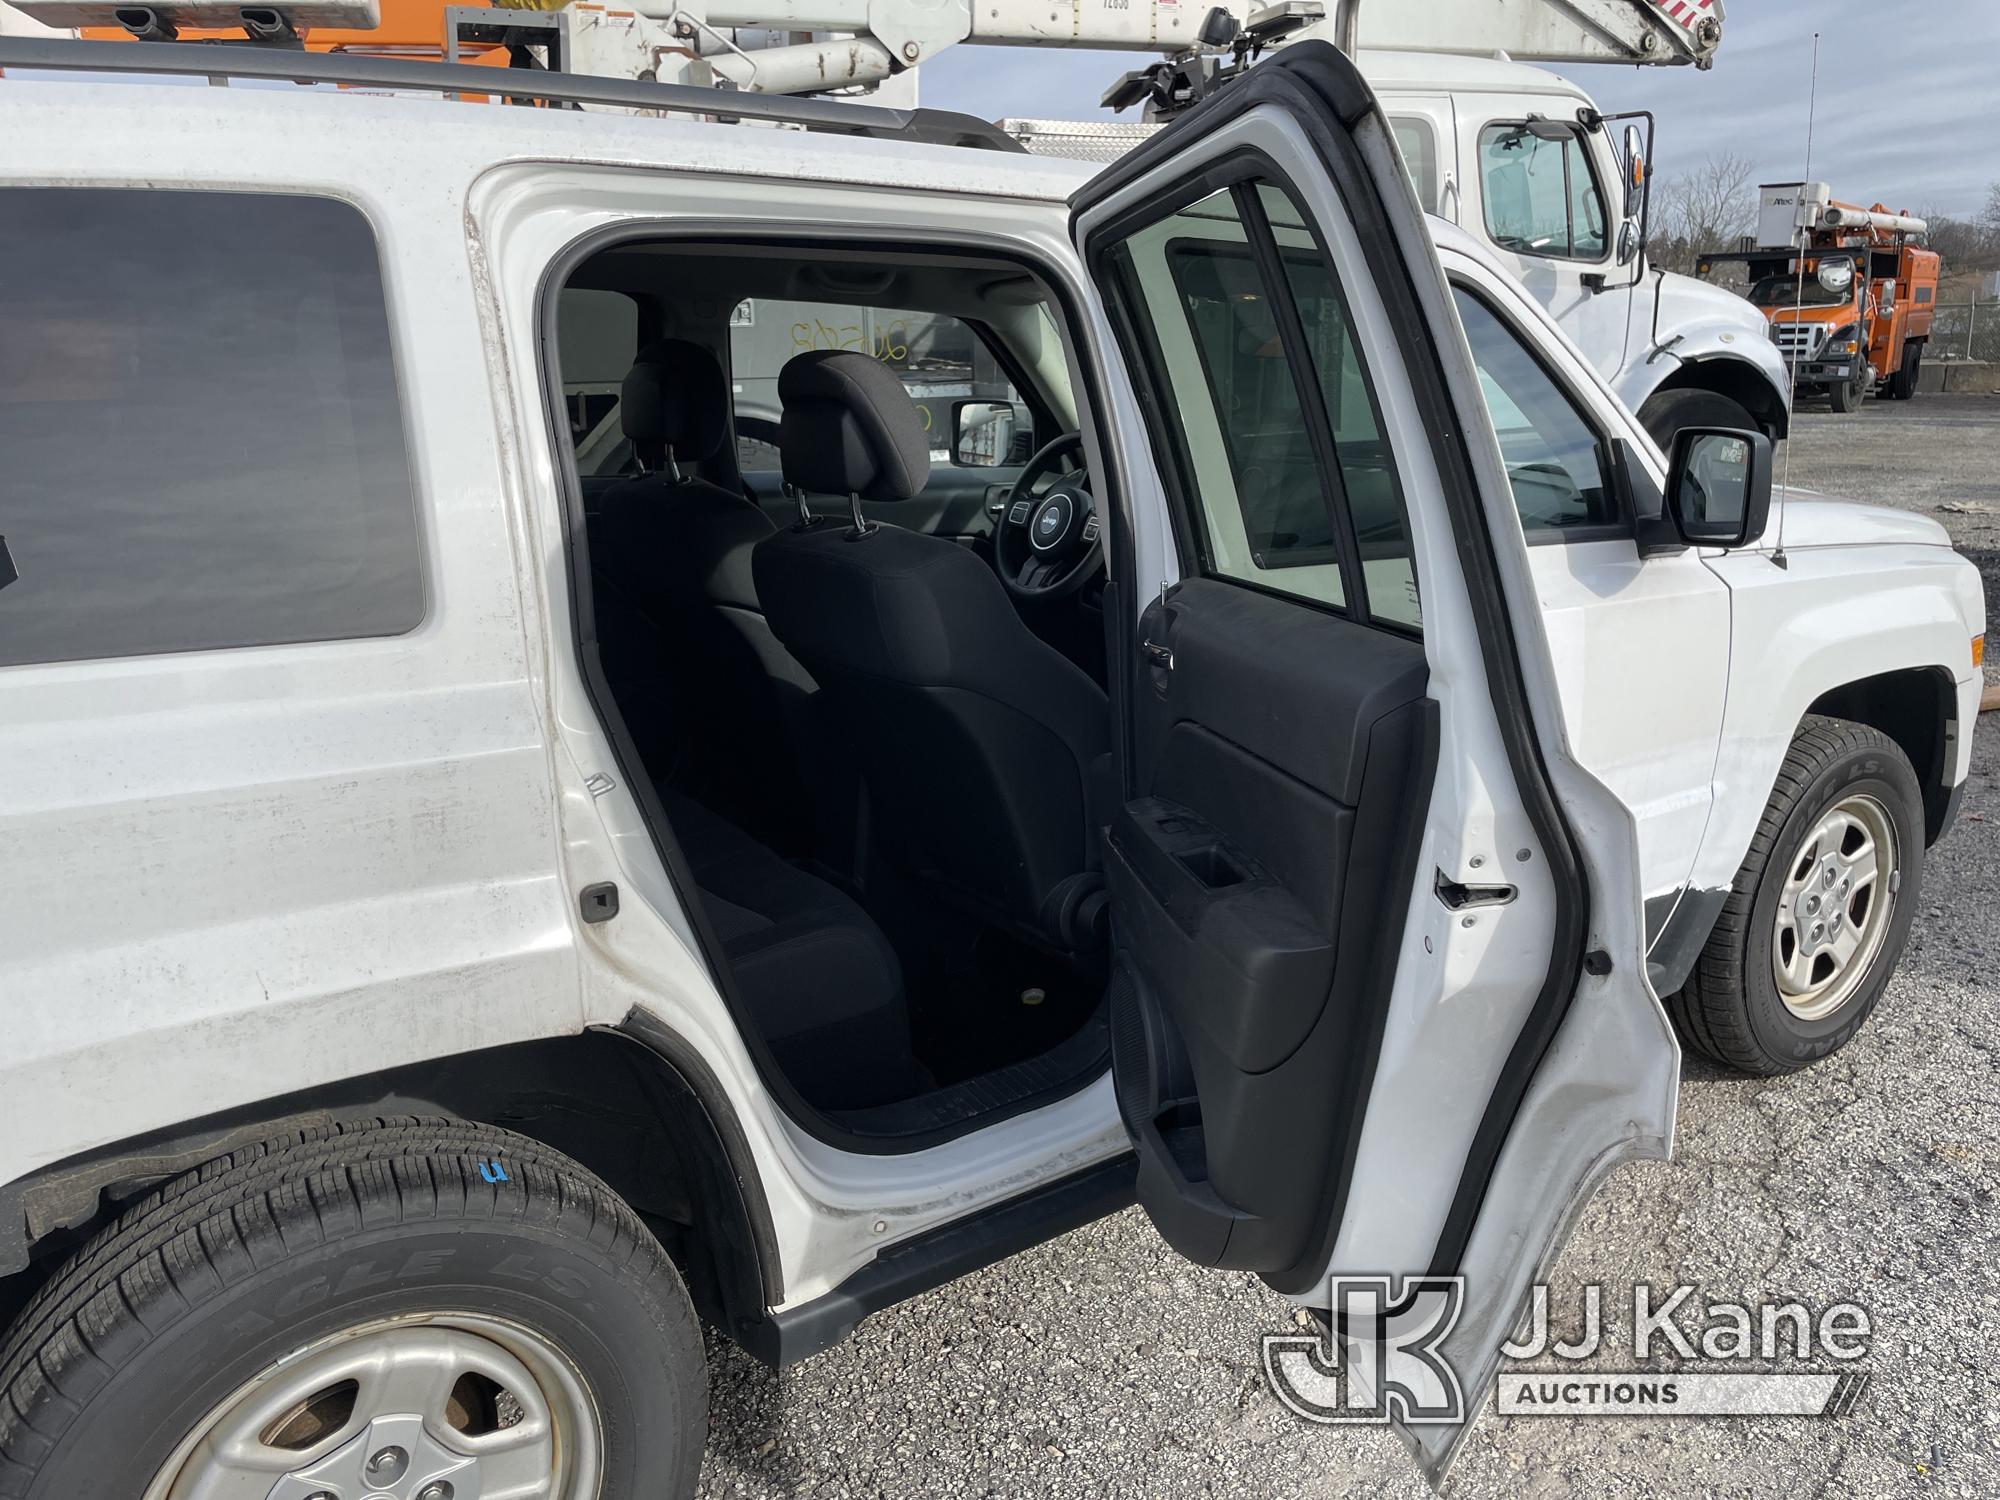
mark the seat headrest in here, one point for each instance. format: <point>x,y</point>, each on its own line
<point>675,397</point>
<point>849,428</point>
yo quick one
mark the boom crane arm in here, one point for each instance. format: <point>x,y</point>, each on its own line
<point>823,46</point>
<point>911,31</point>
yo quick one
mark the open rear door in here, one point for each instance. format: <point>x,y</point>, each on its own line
<point>1381,1006</point>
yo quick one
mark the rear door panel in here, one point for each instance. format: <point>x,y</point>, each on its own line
<point>1477,1076</point>
<point>1262,873</point>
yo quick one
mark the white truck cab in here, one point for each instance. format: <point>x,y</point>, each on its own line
<point>1522,158</point>
<point>480,901</point>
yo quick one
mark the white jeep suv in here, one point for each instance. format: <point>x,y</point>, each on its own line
<point>468,911</point>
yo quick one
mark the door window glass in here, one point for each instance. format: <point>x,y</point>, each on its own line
<point>1540,197</point>
<point>203,445</point>
<point>1373,495</point>
<point>1556,461</point>
<point>1418,143</point>
<point>1211,330</point>
<point>941,361</point>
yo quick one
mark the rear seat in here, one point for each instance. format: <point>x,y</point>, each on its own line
<point>820,981</point>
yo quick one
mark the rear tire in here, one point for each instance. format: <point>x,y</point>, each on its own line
<point>1667,412</point>
<point>1735,1008</point>
<point>439,1285</point>
<point>1903,384</point>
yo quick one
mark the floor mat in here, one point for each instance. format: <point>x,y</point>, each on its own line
<point>1004,1003</point>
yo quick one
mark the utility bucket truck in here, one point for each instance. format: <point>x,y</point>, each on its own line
<point>1849,291</point>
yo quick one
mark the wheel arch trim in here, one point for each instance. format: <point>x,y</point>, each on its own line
<point>68,1195</point>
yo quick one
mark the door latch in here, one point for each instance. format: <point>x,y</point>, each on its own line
<point>1457,896</point>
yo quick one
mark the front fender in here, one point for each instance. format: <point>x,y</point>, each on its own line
<point>1717,356</point>
<point>1699,336</point>
<point>1831,616</point>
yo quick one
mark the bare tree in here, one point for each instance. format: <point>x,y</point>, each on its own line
<point>1965,244</point>
<point>1708,208</point>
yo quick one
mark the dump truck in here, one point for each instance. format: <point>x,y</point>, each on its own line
<point>1849,292</point>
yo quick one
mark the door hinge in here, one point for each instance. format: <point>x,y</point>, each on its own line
<point>1457,896</point>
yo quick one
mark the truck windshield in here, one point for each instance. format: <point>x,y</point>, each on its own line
<point>1782,290</point>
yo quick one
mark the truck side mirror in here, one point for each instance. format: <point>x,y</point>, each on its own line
<point>1635,171</point>
<point>1719,486</point>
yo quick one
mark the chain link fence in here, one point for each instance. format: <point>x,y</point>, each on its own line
<point>1965,330</point>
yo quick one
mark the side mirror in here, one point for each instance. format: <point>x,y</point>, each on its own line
<point>1719,486</point>
<point>1628,242</point>
<point>1635,171</point>
<point>982,432</point>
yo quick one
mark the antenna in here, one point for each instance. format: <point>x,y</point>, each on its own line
<point>1798,307</point>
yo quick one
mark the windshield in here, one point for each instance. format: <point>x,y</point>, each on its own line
<point>1783,290</point>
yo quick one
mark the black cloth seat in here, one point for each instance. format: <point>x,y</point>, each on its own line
<point>716,704</point>
<point>982,747</point>
<point>820,981</point>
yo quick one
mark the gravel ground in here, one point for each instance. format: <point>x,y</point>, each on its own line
<point>1101,1364</point>
<point>1939,455</point>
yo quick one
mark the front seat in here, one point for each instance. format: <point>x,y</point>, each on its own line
<point>718,706</point>
<point>980,745</point>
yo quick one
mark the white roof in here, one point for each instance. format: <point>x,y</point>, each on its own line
<point>310,138</point>
<point>1446,73</point>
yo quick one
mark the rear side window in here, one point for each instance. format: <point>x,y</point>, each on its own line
<point>202,441</point>
<point>1242,332</point>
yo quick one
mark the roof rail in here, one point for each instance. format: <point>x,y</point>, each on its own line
<point>225,61</point>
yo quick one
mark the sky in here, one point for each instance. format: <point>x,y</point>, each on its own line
<point>1908,114</point>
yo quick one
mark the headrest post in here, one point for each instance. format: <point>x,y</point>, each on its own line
<point>862,525</point>
<point>807,520</point>
<point>673,466</point>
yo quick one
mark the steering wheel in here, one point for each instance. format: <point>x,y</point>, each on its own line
<point>1049,542</point>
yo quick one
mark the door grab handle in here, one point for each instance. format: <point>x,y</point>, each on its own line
<point>1458,897</point>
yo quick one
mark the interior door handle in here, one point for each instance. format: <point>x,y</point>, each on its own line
<point>1458,896</point>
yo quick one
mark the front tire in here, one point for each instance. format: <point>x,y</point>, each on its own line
<point>1820,910</point>
<point>402,1307</point>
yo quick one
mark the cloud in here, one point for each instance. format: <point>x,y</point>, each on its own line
<point>1908,109</point>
